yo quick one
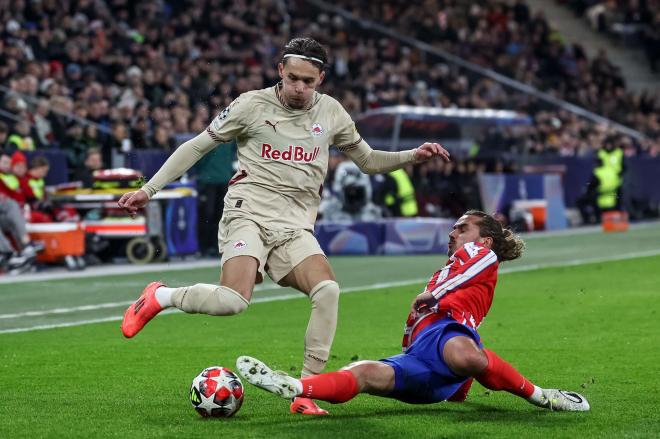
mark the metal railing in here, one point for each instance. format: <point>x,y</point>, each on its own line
<point>32,100</point>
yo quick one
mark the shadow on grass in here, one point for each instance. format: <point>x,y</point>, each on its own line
<point>441,420</point>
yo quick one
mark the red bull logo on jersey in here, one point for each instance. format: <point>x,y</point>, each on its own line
<point>292,154</point>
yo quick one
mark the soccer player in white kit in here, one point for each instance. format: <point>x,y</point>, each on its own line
<point>283,135</point>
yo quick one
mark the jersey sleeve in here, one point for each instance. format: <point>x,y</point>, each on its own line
<point>346,136</point>
<point>230,122</point>
<point>370,161</point>
<point>470,263</point>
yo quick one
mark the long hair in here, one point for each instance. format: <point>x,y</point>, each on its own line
<point>506,245</point>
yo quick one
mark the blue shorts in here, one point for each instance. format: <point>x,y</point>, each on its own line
<point>421,375</point>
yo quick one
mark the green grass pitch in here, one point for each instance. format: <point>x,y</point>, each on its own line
<point>590,328</point>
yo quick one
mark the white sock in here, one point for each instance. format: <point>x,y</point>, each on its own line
<point>299,387</point>
<point>164,296</point>
<point>537,397</point>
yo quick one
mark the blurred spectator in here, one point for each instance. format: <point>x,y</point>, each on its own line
<point>604,190</point>
<point>74,144</point>
<point>20,255</point>
<point>93,162</point>
<point>19,169</point>
<point>119,141</point>
<point>21,139</point>
<point>4,135</point>
<point>37,172</point>
<point>43,125</point>
<point>91,137</point>
<point>162,139</point>
<point>397,194</point>
<point>20,252</point>
<point>44,210</point>
<point>9,184</point>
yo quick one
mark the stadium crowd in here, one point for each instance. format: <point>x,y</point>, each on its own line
<point>508,38</point>
<point>635,22</point>
<point>120,75</point>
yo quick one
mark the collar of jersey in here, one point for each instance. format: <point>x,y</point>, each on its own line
<point>278,86</point>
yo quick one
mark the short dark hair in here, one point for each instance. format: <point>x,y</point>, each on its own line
<point>506,245</point>
<point>38,162</point>
<point>307,47</point>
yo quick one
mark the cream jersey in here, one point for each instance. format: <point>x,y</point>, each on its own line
<point>282,156</point>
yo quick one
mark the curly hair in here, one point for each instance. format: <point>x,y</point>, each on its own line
<point>506,245</point>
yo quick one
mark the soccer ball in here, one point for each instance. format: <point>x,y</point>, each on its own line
<point>216,392</point>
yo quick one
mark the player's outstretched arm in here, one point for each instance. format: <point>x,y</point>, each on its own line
<point>131,202</point>
<point>182,159</point>
<point>372,161</point>
<point>427,151</point>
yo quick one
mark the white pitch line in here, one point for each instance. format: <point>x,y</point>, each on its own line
<point>121,269</point>
<point>365,288</point>
<point>377,286</point>
<point>271,287</point>
<point>48,312</point>
<point>110,270</point>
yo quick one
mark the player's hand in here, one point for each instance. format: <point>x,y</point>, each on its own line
<point>131,202</point>
<point>428,151</point>
<point>422,303</point>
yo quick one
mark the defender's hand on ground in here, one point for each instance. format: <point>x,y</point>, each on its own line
<point>131,202</point>
<point>427,151</point>
<point>422,302</point>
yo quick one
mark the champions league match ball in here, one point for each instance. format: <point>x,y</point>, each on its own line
<point>216,392</point>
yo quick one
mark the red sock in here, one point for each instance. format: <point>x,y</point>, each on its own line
<point>500,375</point>
<point>333,387</point>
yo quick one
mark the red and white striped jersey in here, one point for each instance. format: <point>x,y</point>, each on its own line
<point>464,288</point>
<point>466,285</point>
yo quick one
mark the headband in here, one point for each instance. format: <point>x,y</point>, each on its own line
<point>307,58</point>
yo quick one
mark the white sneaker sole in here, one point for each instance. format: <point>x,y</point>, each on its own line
<point>260,375</point>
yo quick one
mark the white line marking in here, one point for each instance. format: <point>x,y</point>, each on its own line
<point>106,270</point>
<point>266,287</point>
<point>365,288</point>
<point>109,270</point>
<point>174,310</point>
<point>47,312</point>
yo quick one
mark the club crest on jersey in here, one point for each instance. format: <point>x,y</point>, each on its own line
<point>240,244</point>
<point>317,130</point>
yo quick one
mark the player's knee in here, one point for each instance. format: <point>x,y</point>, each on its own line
<point>325,293</point>
<point>372,376</point>
<point>229,302</point>
<point>244,289</point>
<point>469,363</point>
<point>463,357</point>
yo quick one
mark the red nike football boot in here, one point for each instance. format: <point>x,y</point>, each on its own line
<point>144,309</point>
<point>306,406</point>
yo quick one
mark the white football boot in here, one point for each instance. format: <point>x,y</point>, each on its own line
<point>260,375</point>
<point>564,401</point>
